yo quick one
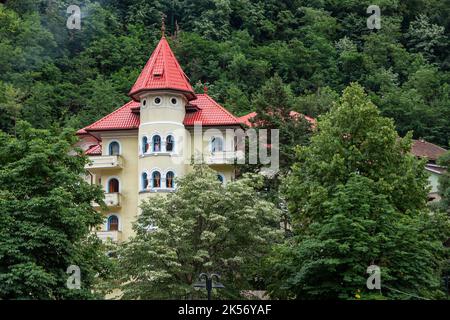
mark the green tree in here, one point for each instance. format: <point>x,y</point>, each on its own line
<point>426,37</point>
<point>358,198</point>
<point>444,183</point>
<point>202,227</point>
<point>274,105</point>
<point>46,216</point>
<point>10,105</point>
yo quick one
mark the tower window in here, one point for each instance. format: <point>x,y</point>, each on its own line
<point>174,101</point>
<point>114,148</point>
<point>144,181</point>
<point>157,101</point>
<point>169,143</point>
<point>113,223</point>
<point>156,179</point>
<point>145,144</point>
<point>113,185</point>
<point>156,143</point>
<point>169,179</point>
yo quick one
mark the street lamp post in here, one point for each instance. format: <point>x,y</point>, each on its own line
<point>208,282</point>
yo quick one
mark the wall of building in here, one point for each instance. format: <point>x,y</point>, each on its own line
<point>127,176</point>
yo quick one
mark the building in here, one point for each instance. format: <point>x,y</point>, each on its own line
<point>140,149</point>
<point>431,152</point>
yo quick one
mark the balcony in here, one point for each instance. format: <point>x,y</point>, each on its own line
<point>111,200</point>
<point>104,162</point>
<point>224,157</point>
<point>109,235</point>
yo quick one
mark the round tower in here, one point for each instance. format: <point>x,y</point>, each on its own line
<point>163,91</point>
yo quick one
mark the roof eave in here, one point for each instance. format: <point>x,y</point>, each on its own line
<point>190,95</point>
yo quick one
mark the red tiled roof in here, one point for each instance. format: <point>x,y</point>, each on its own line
<point>94,150</point>
<point>210,113</point>
<point>161,72</point>
<point>246,119</point>
<point>423,149</point>
<point>121,119</point>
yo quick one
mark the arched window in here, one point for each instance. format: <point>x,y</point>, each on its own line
<point>169,143</point>
<point>169,180</point>
<point>113,185</point>
<point>144,181</point>
<point>113,223</point>
<point>220,178</point>
<point>156,143</point>
<point>216,144</point>
<point>156,179</point>
<point>145,145</point>
<point>114,148</point>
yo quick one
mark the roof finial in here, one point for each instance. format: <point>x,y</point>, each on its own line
<point>163,24</point>
<point>205,89</point>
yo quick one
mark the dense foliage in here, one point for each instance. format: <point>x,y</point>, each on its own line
<point>358,198</point>
<point>203,227</point>
<point>46,217</point>
<point>50,74</point>
<point>353,196</point>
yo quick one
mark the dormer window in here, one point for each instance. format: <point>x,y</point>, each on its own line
<point>158,70</point>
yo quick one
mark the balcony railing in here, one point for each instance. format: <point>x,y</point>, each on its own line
<point>109,235</point>
<point>111,200</point>
<point>104,162</point>
<point>223,157</point>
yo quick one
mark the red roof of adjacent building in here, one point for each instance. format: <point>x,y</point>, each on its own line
<point>246,119</point>
<point>162,72</point>
<point>424,149</point>
<point>94,150</point>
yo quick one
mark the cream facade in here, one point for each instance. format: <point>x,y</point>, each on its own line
<point>140,150</point>
<point>135,160</point>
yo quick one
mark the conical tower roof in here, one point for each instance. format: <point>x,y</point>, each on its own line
<point>162,72</point>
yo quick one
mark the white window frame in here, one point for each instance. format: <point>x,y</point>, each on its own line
<point>107,184</point>
<point>106,224</point>
<point>154,102</point>
<point>141,181</point>
<point>109,147</point>
<point>211,144</point>
<point>165,177</point>
<point>160,177</point>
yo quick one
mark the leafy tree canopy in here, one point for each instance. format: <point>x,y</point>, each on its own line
<point>46,216</point>
<point>203,227</point>
<point>358,198</point>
